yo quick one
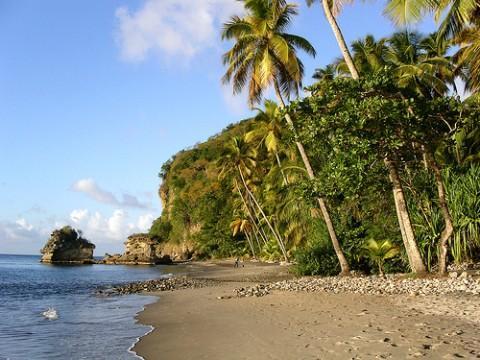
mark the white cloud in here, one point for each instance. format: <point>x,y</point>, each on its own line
<point>20,237</point>
<point>24,225</point>
<point>145,222</point>
<point>77,216</point>
<point>90,188</point>
<point>114,228</point>
<point>171,28</point>
<point>17,231</point>
<point>107,232</point>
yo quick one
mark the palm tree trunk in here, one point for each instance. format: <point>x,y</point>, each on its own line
<point>408,235</point>
<point>262,234</point>
<point>447,217</point>
<point>321,202</point>
<point>255,233</point>
<point>250,242</point>
<point>380,270</point>
<point>250,215</point>
<point>277,237</point>
<point>340,39</point>
<point>285,181</point>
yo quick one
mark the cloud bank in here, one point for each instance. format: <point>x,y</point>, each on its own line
<point>114,228</point>
<point>91,189</point>
<point>107,232</point>
<point>171,28</point>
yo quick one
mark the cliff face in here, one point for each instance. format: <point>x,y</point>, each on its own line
<point>67,246</point>
<point>197,205</point>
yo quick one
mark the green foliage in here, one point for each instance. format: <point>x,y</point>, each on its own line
<point>380,251</point>
<point>160,229</point>
<point>245,191</point>
<point>316,258</point>
<point>463,191</point>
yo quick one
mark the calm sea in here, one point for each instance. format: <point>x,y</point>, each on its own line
<point>88,327</point>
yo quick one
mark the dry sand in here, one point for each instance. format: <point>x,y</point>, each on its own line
<point>195,324</point>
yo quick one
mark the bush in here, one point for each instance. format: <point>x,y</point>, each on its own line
<point>316,259</point>
<point>160,229</point>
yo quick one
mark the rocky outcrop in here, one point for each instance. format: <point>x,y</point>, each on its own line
<point>139,249</point>
<point>66,245</point>
<point>177,252</point>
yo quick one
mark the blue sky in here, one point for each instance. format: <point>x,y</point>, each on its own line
<point>96,95</point>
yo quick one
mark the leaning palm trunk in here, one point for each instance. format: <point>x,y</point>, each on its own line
<point>277,237</point>
<point>252,218</point>
<point>447,217</point>
<point>340,39</point>
<point>250,242</point>
<point>408,235</point>
<point>279,163</point>
<point>321,202</point>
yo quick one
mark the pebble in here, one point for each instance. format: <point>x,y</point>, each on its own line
<point>165,284</point>
<point>369,285</point>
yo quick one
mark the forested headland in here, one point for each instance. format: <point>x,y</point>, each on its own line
<point>375,168</point>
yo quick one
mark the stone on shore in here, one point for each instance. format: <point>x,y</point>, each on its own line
<point>66,245</point>
<point>372,285</point>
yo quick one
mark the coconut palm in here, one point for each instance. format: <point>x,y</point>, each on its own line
<point>379,252</point>
<point>419,64</point>
<point>239,160</point>
<point>268,132</point>
<point>244,226</point>
<point>327,73</point>
<point>453,15</point>
<point>264,55</point>
<point>468,56</point>
<point>370,54</point>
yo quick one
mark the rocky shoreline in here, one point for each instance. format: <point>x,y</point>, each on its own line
<point>164,284</point>
<point>462,284</point>
<point>372,285</point>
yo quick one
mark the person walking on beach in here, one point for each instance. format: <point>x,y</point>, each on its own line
<point>237,262</point>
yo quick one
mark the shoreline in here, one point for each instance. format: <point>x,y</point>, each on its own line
<point>211,322</point>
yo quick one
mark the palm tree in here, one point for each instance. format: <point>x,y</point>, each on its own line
<point>327,73</point>
<point>459,22</point>
<point>468,55</point>
<point>379,251</point>
<point>422,65</point>
<point>268,132</point>
<point>371,56</point>
<point>331,10</point>
<point>265,55</point>
<point>239,160</point>
<point>456,14</point>
<point>419,64</point>
<point>244,226</point>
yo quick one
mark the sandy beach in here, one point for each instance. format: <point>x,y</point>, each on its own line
<point>196,324</point>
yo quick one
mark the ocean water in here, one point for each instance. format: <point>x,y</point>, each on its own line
<point>88,326</point>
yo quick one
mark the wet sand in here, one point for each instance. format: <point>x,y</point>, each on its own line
<point>196,324</point>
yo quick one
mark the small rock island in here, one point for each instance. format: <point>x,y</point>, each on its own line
<point>66,245</point>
